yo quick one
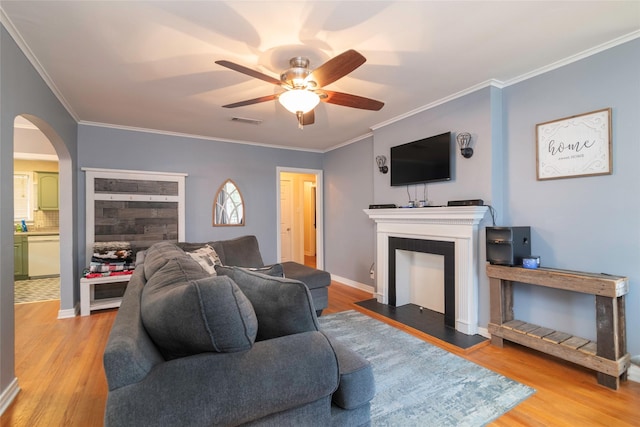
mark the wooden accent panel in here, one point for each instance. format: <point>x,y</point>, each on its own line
<point>140,207</point>
<point>138,222</point>
<point>135,186</point>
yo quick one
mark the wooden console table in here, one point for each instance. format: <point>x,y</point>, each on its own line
<point>607,355</point>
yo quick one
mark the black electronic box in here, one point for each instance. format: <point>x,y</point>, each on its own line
<point>508,245</point>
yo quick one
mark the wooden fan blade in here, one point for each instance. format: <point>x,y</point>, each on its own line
<point>251,101</point>
<point>309,118</point>
<point>336,68</point>
<point>353,101</point>
<point>249,72</point>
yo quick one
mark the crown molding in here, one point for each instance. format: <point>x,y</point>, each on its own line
<point>193,136</point>
<point>493,82</point>
<point>349,142</point>
<point>502,84</point>
<point>574,58</point>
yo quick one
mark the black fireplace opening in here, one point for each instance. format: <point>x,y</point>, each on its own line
<point>438,325</point>
<point>437,247</point>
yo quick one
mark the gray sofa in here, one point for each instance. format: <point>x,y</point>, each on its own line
<point>237,348</point>
<point>245,252</point>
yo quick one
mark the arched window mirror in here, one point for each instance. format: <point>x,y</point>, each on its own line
<point>228,205</point>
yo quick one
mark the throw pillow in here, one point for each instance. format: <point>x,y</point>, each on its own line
<point>282,306</point>
<point>207,257</point>
<point>185,314</point>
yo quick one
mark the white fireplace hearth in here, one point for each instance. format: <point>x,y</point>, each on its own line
<point>456,224</point>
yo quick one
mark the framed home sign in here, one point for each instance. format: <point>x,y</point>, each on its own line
<point>575,146</point>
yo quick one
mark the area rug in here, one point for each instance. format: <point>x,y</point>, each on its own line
<point>37,290</point>
<point>419,384</point>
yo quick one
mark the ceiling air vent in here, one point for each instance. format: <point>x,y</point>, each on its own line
<point>246,121</point>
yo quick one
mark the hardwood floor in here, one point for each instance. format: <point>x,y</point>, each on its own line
<point>59,369</point>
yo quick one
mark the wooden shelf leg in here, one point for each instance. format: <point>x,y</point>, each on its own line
<point>501,303</point>
<point>608,381</point>
<point>611,335</point>
<point>497,341</point>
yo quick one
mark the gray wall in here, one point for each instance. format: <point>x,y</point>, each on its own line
<point>208,164</point>
<point>587,224</point>
<point>349,235</point>
<point>471,177</point>
<point>24,92</point>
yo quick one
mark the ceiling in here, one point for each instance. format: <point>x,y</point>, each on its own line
<point>150,64</point>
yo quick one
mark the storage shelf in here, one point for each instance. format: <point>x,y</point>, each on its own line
<point>105,303</point>
<point>607,355</point>
<point>583,355</point>
<point>87,289</point>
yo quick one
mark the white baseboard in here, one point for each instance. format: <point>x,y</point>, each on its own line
<point>69,312</point>
<point>633,374</point>
<point>484,332</point>
<point>8,395</point>
<point>353,283</point>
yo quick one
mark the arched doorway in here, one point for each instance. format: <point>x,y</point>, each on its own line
<point>65,212</point>
<point>36,205</point>
<point>68,263</point>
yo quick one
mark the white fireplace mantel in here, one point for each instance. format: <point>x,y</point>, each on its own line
<point>457,224</point>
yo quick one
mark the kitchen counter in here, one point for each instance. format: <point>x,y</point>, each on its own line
<point>41,232</point>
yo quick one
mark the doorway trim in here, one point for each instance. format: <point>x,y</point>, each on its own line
<point>319,212</point>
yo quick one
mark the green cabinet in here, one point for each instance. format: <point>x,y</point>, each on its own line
<point>20,257</point>
<point>48,191</point>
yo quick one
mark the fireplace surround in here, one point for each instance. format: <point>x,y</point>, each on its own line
<point>456,224</point>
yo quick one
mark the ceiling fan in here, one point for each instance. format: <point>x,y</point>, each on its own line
<point>304,88</point>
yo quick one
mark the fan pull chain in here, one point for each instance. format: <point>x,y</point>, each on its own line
<point>300,116</point>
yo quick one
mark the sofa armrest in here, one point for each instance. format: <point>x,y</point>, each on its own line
<point>129,354</point>
<point>230,388</point>
<point>357,385</point>
<point>242,251</point>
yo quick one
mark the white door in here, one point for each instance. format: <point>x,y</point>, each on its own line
<point>290,213</point>
<point>286,214</point>
<point>310,218</point>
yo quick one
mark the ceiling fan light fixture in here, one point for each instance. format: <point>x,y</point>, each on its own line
<point>299,100</point>
<point>296,75</point>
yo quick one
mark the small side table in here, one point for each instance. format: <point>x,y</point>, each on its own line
<point>87,290</point>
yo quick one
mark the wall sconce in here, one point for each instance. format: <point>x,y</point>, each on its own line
<point>464,142</point>
<point>381,161</point>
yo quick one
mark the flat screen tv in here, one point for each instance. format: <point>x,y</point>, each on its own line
<point>421,161</point>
